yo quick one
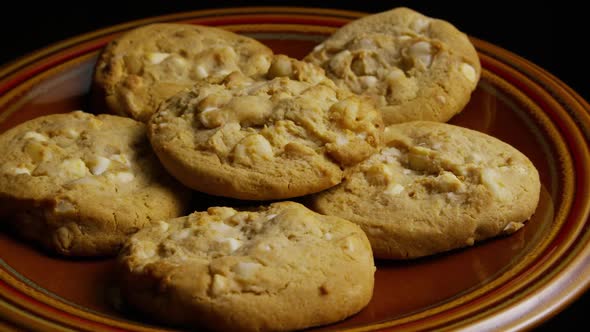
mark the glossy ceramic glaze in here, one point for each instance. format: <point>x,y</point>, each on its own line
<point>536,270</point>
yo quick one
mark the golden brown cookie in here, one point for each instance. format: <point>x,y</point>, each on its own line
<point>145,66</point>
<point>413,66</point>
<point>433,188</point>
<point>279,268</point>
<point>80,184</point>
<point>284,137</point>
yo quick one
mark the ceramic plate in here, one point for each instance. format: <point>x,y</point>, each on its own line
<point>534,271</point>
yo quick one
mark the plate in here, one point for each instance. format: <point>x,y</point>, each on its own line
<point>510,282</point>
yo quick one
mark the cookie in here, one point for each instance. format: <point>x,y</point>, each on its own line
<point>80,184</point>
<point>272,139</point>
<point>278,268</point>
<point>413,66</point>
<point>435,187</point>
<point>145,66</point>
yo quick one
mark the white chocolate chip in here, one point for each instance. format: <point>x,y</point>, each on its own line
<point>71,133</point>
<point>181,235</point>
<point>468,71</point>
<point>120,158</point>
<point>121,177</point>
<point>474,158</point>
<point>271,216</point>
<point>219,285</point>
<point>33,135</point>
<point>265,247</point>
<point>19,170</point>
<point>422,51</point>
<point>420,24</point>
<point>512,227</point>
<point>205,116</point>
<point>436,146</point>
<point>366,44</point>
<point>239,218</point>
<point>253,147</point>
<point>328,236</point>
<point>281,67</point>
<point>369,81</point>
<point>339,60</point>
<point>379,174</point>
<point>394,189</point>
<point>395,75</point>
<point>157,57</point>
<point>222,212</point>
<point>441,99</point>
<point>319,47</point>
<point>145,252</point>
<point>393,152</point>
<point>98,165</point>
<point>73,168</point>
<point>341,140</point>
<point>163,226</point>
<point>246,270</point>
<point>520,169</point>
<point>453,197</point>
<point>179,62</point>
<point>82,181</point>
<point>491,179</point>
<point>37,152</point>
<point>421,150</point>
<point>223,72</point>
<point>201,72</point>
<point>222,228</point>
<point>209,109</point>
<point>448,182</point>
<point>261,62</point>
<point>229,243</point>
<point>64,237</point>
<point>125,177</point>
<point>348,244</point>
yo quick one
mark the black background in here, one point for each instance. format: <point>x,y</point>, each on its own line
<point>553,35</point>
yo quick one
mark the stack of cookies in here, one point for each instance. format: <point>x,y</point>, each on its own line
<point>354,132</point>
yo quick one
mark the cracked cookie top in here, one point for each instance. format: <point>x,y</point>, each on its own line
<point>287,136</point>
<point>248,270</point>
<point>76,189</point>
<point>433,188</point>
<point>413,66</point>
<point>147,65</point>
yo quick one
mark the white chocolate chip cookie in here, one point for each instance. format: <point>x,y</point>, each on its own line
<point>80,184</point>
<point>281,267</point>
<point>284,137</point>
<point>433,188</point>
<point>147,65</point>
<point>414,67</point>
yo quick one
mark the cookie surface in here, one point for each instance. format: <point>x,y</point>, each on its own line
<point>80,184</point>
<point>281,267</point>
<point>413,66</point>
<point>147,65</point>
<point>433,188</point>
<point>271,139</point>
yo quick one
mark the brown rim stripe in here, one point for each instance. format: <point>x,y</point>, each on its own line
<point>49,312</point>
<point>547,82</point>
<point>20,318</point>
